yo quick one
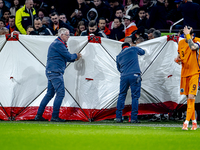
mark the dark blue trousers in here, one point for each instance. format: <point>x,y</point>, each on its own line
<point>134,81</point>
<point>55,85</point>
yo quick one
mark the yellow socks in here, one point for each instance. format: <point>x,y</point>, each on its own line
<point>190,109</point>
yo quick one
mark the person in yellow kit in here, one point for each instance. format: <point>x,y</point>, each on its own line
<point>188,56</point>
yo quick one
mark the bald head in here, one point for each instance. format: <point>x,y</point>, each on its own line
<point>29,4</point>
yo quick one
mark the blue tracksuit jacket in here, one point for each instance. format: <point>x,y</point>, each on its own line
<point>58,56</point>
<point>127,60</point>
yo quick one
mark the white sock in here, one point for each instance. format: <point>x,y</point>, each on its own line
<point>194,121</point>
<point>187,122</point>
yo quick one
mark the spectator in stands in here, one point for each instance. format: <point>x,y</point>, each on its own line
<point>80,28</point>
<point>2,8</point>
<point>128,39</point>
<point>93,29</point>
<point>139,40</point>
<point>81,5</point>
<point>174,15</point>
<point>15,6</point>
<point>118,13</point>
<point>25,16</point>
<point>56,24</point>
<point>140,32</point>
<point>92,15</point>
<point>6,16</point>
<point>39,29</point>
<point>11,24</point>
<point>141,18</point>
<point>77,18</point>
<point>89,3</point>
<point>64,19</point>
<point>190,13</point>
<point>102,9</point>
<point>118,31</point>
<point>102,26</point>
<point>29,29</point>
<point>150,33</point>
<point>4,31</point>
<point>130,26</point>
<point>157,17</point>
<point>114,4</point>
<point>2,23</point>
<point>156,34</point>
<point>42,13</point>
<point>46,23</point>
<point>132,9</point>
<point>38,4</point>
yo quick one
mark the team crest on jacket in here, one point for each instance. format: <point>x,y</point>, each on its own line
<point>182,90</point>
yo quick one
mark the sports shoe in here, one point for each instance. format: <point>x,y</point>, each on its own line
<point>194,126</point>
<point>155,119</point>
<point>185,126</point>
<point>40,118</point>
<point>57,120</point>
<point>135,121</point>
<point>118,120</point>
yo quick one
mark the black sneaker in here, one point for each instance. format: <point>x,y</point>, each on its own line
<point>57,120</point>
<point>40,118</point>
<point>135,121</point>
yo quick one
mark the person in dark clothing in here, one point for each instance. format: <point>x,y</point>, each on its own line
<point>81,5</point>
<point>118,31</point>
<point>141,18</point>
<point>57,58</point>
<point>128,66</point>
<point>57,24</point>
<point>77,18</point>
<point>39,29</point>
<point>157,17</point>
<point>2,8</point>
<point>93,29</point>
<point>114,4</point>
<point>190,12</point>
<point>102,9</point>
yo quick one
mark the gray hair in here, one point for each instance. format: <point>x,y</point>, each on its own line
<point>156,33</point>
<point>62,31</point>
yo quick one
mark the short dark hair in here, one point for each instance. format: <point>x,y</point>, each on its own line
<point>92,23</point>
<point>120,20</point>
<point>54,13</point>
<point>11,17</point>
<point>37,18</point>
<point>119,8</point>
<point>126,44</point>
<point>2,20</point>
<point>30,26</point>
<point>6,11</point>
<point>62,14</point>
<point>102,18</point>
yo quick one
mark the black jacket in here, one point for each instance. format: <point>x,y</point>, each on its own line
<point>62,25</point>
<point>117,33</point>
<point>41,31</point>
<point>157,17</point>
<point>103,11</point>
<point>97,33</point>
<point>191,14</point>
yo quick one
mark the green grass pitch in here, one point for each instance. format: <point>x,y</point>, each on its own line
<point>105,135</point>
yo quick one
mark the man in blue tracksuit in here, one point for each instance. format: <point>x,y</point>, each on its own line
<point>58,56</point>
<point>128,66</point>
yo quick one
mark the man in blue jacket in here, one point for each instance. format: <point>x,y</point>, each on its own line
<point>58,56</point>
<point>128,66</point>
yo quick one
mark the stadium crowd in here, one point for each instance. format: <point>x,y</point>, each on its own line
<point>115,19</point>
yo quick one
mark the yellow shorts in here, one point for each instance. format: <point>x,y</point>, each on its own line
<point>189,85</point>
